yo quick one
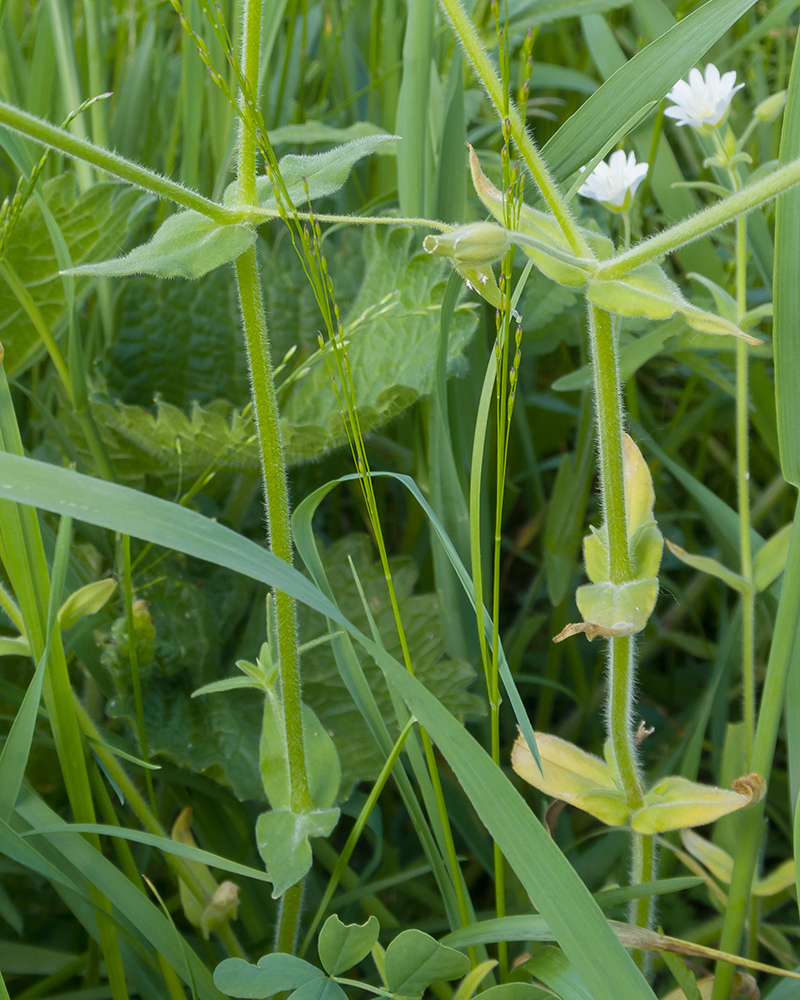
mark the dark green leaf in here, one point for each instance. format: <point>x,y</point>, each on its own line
<point>414,960</point>
<point>274,973</point>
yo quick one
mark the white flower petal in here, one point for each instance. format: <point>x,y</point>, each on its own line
<point>704,101</point>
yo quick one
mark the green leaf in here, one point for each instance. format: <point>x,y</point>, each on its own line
<point>283,842</point>
<point>711,566</point>
<point>322,761</point>
<point>786,295</point>
<point>619,609</point>
<point>321,173</point>
<point>187,245</point>
<point>341,946</point>
<point>770,560</point>
<point>683,976</point>
<point>414,960</point>
<point>319,989</point>
<point>647,291</point>
<point>555,970</point>
<point>274,973</point>
<point>310,132</point>
<point>515,991</point>
<point>88,600</point>
<point>392,329</point>
<point>93,224</point>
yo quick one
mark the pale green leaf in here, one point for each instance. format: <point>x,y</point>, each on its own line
<point>770,560</point>
<point>341,946</point>
<point>283,838</point>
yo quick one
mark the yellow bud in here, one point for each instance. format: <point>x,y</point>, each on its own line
<point>222,907</point>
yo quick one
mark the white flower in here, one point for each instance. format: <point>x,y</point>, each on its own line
<point>614,183</point>
<point>703,103</point>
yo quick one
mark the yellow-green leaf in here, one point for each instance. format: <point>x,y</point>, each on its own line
<point>86,601</point>
<point>676,803</point>
<point>711,566</point>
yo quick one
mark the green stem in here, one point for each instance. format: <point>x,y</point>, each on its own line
<point>468,36</point>
<point>743,489</point>
<point>645,869</point>
<point>57,138</point>
<point>291,909</point>
<point>277,502</point>
<point>704,222</point>
<point>769,718</point>
<point>621,669</point>
<point>608,400</point>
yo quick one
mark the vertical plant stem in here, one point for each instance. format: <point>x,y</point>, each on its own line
<point>468,36</point>
<point>276,489</point>
<point>621,650</point>
<point>743,489</point>
<point>769,717</point>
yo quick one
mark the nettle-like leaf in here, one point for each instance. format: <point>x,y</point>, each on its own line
<point>591,784</point>
<point>615,609</point>
<point>392,332</point>
<point>647,291</point>
<point>93,224</point>
<point>189,619</point>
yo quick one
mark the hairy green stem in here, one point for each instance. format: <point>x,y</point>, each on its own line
<point>621,671</point>
<point>58,138</point>
<point>703,222</point>
<point>468,36</point>
<point>608,401</point>
<point>769,717</point>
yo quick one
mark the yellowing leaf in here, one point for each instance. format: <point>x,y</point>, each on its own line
<point>573,775</point>
<point>676,803</point>
<point>776,881</point>
<point>640,497</point>
<point>85,601</point>
<point>192,907</point>
<point>714,858</point>
<point>623,608</point>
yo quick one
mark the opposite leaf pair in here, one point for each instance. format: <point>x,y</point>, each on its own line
<point>589,783</point>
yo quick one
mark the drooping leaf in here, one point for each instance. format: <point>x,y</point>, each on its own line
<point>675,803</point>
<point>283,838</point>
<point>341,946</point>
<point>414,960</point>
<point>93,224</point>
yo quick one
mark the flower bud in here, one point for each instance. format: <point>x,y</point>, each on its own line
<point>768,110</point>
<point>475,245</point>
<point>222,907</point>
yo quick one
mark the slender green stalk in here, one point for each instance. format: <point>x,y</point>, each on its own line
<point>81,150</point>
<point>769,717</point>
<point>703,222</point>
<point>468,36</point>
<point>743,490</point>
<point>621,669</point>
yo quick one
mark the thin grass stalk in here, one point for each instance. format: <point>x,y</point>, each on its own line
<point>769,717</point>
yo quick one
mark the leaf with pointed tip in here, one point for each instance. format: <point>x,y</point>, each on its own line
<point>187,245</point>
<point>711,566</point>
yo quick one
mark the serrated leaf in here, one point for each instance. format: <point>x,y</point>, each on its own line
<point>341,946</point>
<point>392,329</point>
<point>415,960</point>
<point>274,973</point>
<point>314,176</point>
<point>186,245</point>
<point>647,291</point>
<point>283,838</point>
<point>93,225</point>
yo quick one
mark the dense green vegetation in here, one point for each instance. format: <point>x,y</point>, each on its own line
<point>307,261</point>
